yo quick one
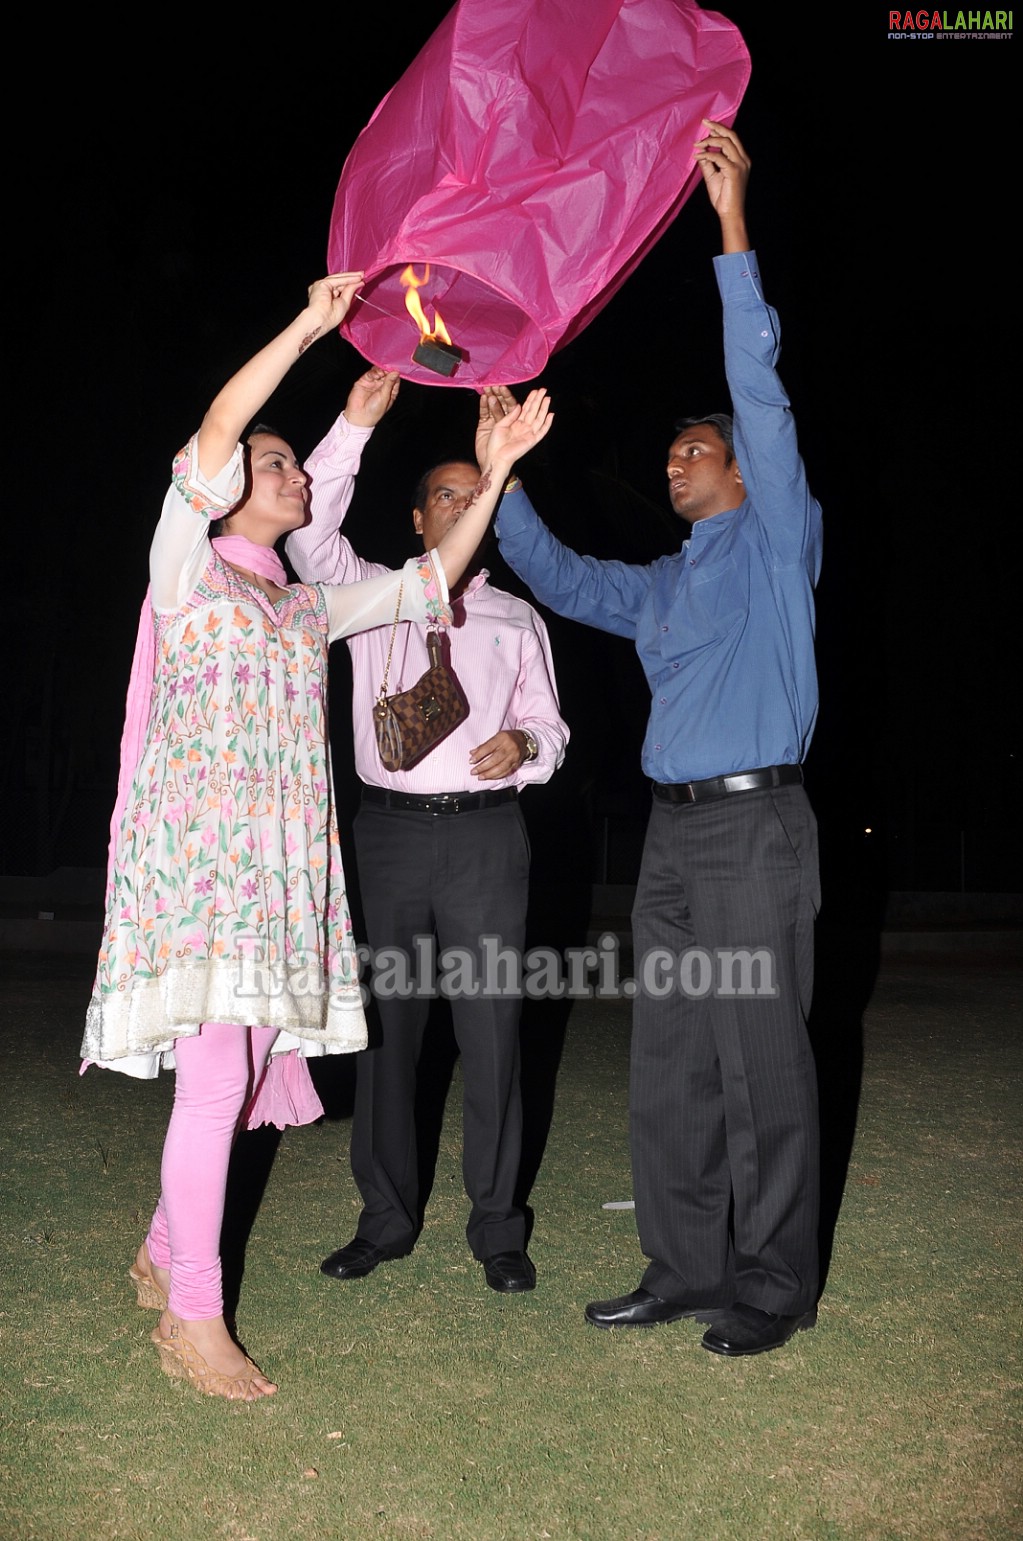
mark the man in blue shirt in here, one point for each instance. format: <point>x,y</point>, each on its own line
<point>723,1098</point>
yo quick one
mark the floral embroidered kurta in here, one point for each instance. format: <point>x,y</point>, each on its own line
<point>226,896</point>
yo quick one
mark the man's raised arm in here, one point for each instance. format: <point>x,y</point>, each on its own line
<point>764,427</point>
<point>318,551</point>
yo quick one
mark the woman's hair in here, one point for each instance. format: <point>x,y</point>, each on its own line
<point>217,525</point>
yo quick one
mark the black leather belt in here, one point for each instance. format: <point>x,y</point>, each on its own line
<point>439,802</point>
<point>723,786</point>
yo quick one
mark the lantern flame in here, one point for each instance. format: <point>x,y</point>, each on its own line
<point>415,309</point>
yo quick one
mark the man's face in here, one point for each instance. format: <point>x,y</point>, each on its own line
<point>700,483</point>
<point>448,491</point>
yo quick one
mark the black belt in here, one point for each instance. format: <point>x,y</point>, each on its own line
<point>723,786</point>
<point>439,802</point>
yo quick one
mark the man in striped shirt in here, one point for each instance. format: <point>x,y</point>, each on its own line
<point>443,858</point>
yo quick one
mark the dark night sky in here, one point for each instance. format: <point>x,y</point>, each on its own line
<point>174,220</point>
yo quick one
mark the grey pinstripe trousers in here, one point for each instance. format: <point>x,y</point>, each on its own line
<point>723,1091</point>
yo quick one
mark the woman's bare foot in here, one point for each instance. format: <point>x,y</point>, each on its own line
<point>161,1276</point>
<point>205,1353</point>
<point>152,1284</point>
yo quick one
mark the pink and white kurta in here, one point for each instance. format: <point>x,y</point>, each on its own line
<point>226,895</point>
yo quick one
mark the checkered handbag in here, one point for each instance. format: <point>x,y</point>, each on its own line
<point>408,725</point>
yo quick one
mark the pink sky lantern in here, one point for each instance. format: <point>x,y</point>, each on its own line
<point>528,158</point>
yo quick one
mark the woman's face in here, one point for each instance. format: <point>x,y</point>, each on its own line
<point>278,492</point>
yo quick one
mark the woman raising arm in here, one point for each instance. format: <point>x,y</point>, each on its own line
<point>227,933</point>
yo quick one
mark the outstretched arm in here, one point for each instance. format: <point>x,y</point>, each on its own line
<point>604,594</point>
<point>243,395</point>
<point>357,606</point>
<point>764,428</point>
<point>318,551</point>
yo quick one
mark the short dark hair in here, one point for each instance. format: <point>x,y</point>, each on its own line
<point>421,492</point>
<point>721,422</point>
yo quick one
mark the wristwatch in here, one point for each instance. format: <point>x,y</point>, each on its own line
<point>532,747</point>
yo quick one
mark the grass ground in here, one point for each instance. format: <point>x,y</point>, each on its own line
<point>419,1404</point>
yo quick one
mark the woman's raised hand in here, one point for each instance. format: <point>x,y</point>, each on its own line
<point>521,428</point>
<point>331,297</point>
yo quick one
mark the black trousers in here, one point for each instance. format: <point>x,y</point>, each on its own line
<point>723,1091</point>
<point>461,877</point>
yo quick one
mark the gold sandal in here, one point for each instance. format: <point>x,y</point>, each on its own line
<point>150,1296</point>
<point>181,1359</point>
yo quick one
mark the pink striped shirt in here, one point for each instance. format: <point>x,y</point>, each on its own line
<point>500,650</point>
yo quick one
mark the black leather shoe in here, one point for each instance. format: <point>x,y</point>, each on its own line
<point>641,1309</point>
<point>747,1330</point>
<point>509,1272</point>
<point>359,1258</point>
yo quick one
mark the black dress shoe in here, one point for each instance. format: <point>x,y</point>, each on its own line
<point>641,1309</point>
<point>509,1272</point>
<point>747,1330</point>
<point>359,1258</point>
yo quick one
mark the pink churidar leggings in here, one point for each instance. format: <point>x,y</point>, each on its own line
<point>216,1072</point>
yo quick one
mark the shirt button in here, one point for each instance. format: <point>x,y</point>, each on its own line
<point>664,628</point>
<point>765,334</point>
<point>674,666</point>
<point>692,562</point>
<point>657,746</point>
<point>664,700</point>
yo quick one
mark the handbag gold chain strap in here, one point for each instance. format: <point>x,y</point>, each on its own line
<point>390,645</point>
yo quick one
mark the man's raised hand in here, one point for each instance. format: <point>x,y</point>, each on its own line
<point>725,166</point>
<point>371,396</point>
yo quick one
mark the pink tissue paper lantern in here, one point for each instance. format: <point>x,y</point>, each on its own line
<point>530,156</point>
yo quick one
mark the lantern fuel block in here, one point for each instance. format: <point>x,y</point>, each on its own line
<point>439,356</point>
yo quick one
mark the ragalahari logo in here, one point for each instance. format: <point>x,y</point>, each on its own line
<point>948,26</point>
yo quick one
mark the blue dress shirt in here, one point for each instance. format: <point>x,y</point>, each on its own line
<point>724,628</point>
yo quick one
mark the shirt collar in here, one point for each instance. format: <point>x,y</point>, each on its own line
<point>715,523</point>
